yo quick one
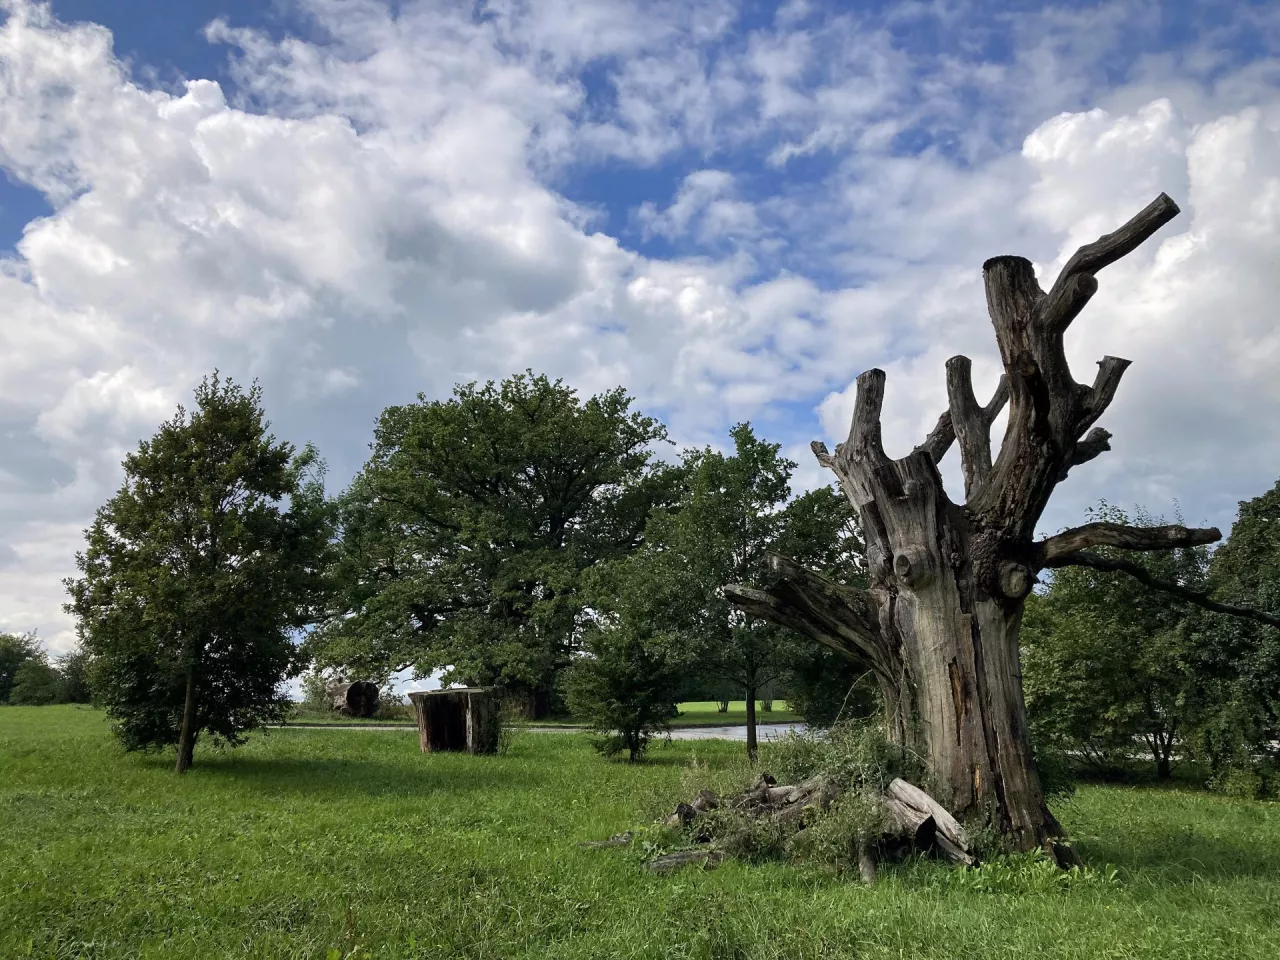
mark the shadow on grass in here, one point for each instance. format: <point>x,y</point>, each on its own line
<point>1171,856</point>
<point>338,777</point>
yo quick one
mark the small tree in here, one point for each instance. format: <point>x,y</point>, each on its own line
<point>196,573</point>
<point>15,650</point>
<point>624,685</point>
<point>35,683</point>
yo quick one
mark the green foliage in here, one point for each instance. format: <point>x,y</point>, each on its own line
<point>733,514</point>
<point>1108,663</point>
<point>851,755</point>
<point>73,676</point>
<point>465,536</point>
<point>1023,874</point>
<point>624,686</point>
<point>15,650</point>
<point>1240,724</point>
<point>35,683</point>
<point>306,841</point>
<point>198,571</point>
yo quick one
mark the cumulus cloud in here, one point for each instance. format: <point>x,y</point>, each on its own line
<point>388,208</point>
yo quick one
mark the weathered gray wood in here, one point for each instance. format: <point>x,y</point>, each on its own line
<point>939,622</point>
<point>707,859</point>
<point>464,719</point>
<point>1169,537</point>
<point>950,834</point>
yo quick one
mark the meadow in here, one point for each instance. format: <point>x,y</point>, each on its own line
<point>347,844</point>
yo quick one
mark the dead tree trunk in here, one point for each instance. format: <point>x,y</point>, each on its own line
<point>939,623</point>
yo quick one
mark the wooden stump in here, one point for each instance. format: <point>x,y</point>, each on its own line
<point>464,719</point>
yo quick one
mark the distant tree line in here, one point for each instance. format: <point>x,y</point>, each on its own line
<point>29,678</point>
<point>519,536</point>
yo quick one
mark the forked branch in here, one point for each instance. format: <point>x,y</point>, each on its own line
<point>972,422</point>
<point>1185,593</point>
<point>1057,550</point>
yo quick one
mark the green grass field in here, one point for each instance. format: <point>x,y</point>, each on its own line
<point>342,844</point>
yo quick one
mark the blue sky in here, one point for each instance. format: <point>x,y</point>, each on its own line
<point>730,208</point>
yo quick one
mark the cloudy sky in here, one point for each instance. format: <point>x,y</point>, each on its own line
<point>731,208</point>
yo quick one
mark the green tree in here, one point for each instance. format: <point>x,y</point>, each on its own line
<point>73,677</point>
<point>15,650</point>
<point>465,536</point>
<point>197,573</point>
<point>734,512</point>
<point>36,683</point>
<point>1240,658</point>
<point>1108,663</point>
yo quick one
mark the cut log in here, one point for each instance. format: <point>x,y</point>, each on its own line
<point>359,699</point>
<point>709,859</point>
<point>909,804</point>
<point>617,840</point>
<point>463,719</point>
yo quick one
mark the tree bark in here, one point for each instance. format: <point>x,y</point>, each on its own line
<point>187,733</point>
<point>939,623</point>
<point>752,751</point>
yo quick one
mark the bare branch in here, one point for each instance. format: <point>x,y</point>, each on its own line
<point>822,453</point>
<point>839,617</point>
<point>864,441</point>
<point>1110,247</point>
<point>1094,445</point>
<point>1103,391</point>
<point>939,440</point>
<point>1184,593</point>
<point>1103,534</point>
<point>972,423</point>
<point>1065,301</point>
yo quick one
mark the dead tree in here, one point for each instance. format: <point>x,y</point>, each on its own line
<point>939,623</point>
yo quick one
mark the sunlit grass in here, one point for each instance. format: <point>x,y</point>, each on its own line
<point>318,844</point>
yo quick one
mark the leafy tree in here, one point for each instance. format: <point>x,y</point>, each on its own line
<point>1240,659</point>
<point>73,677</point>
<point>734,512</point>
<point>35,684</point>
<point>1107,662</point>
<point>15,650</point>
<point>197,572</point>
<point>465,536</point>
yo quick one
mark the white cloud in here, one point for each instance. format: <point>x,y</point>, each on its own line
<point>377,216</point>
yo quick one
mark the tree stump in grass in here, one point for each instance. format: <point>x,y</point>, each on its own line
<point>464,719</point>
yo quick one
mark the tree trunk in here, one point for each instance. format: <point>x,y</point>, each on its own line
<point>752,752</point>
<point>359,699</point>
<point>939,624</point>
<point>187,733</point>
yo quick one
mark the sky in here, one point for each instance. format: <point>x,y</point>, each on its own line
<point>732,209</point>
